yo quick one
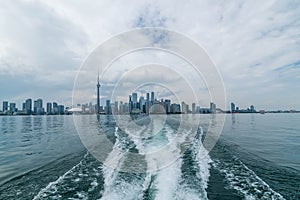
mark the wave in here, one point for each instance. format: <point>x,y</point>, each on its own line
<point>244,180</point>
<point>81,181</point>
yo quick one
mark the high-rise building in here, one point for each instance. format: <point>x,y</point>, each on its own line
<point>152,98</point>
<point>252,109</point>
<point>116,107</point>
<point>12,107</point>
<point>184,108</point>
<point>148,97</point>
<point>152,102</point>
<point>232,105</point>
<point>39,107</point>
<point>134,97</point>
<point>49,108</point>
<point>193,108</point>
<point>130,104</point>
<point>142,104</point>
<point>134,100</point>
<point>5,106</point>
<point>61,109</point>
<point>23,106</point>
<point>175,108</point>
<point>212,107</point>
<point>108,107</point>
<point>55,108</point>
<point>168,105</point>
<point>35,107</point>
<point>28,106</point>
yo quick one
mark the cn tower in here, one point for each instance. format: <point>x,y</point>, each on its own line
<point>98,96</point>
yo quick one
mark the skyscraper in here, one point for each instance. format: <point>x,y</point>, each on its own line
<point>252,109</point>
<point>55,108</point>
<point>232,105</point>
<point>5,106</point>
<point>98,96</point>
<point>49,108</point>
<point>130,103</point>
<point>28,106</point>
<point>134,100</point>
<point>151,109</point>
<point>168,105</point>
<point>193,108</point>
<point>12,107</point>
<point>108,107</point>
<point>212,107</point>
<point>152,98</point>
<point>39,107</point>
<point>61,109</point>
<point>184,108</point>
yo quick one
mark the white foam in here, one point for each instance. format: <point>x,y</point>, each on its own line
<point>51,187</point>
<point>245,181</point>
<point>203,161</point>
<point>114,186</point>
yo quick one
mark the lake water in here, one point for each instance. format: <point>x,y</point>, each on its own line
<point>43,157</point>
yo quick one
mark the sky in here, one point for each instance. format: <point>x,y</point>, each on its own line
<point>255,46</point>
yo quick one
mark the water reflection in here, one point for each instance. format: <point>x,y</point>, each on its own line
<point>233,120</point>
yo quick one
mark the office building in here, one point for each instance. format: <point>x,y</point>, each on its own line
<point>39,107</point>
<point>212,107</point>
<point>55,108</point>
<point>61,109</point>
<point>193,108</point>
<point>28,106</point>
<point>108,108</point>
<point>252,109</point>
<point>49,108</point>
<point>12,107</point>
<point>168,105</point>
<point>232,105</point>
<point>175,108</point>
<point>5,106</point>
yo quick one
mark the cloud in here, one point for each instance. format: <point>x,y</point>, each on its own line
<point>254,44</point>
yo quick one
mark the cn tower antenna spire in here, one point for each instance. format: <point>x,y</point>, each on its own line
<point>98,94</point>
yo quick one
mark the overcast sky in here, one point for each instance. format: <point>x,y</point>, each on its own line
<point>255,45</point>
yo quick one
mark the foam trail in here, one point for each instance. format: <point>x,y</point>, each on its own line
<point>203,161</point>
<point>245,181</point>
<point>118,184</point>
<point>51,187</point>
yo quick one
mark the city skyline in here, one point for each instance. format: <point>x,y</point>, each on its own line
<point>137,104</point>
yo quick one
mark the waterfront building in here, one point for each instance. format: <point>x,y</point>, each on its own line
<point>39,107</point>
<point>23,106</point>
<point>193,108</point>
<point>55,108</point>
<point>152,101</point>
<point>252,109</point>
<point>158,108</point>
<point>108,107</point>
<point>28,106</point>
<point>175,108</point>
<point>168,105</point>
<point>232,107</point>
<point>212,107</point>
<point>12,107</point>
<point>61,109</point>
<point>49,108</point>
<point>184,108</point>
<point>5,106</point>
<point>116,107</point>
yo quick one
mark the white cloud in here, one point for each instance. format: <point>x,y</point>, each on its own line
<point>248,41</point>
